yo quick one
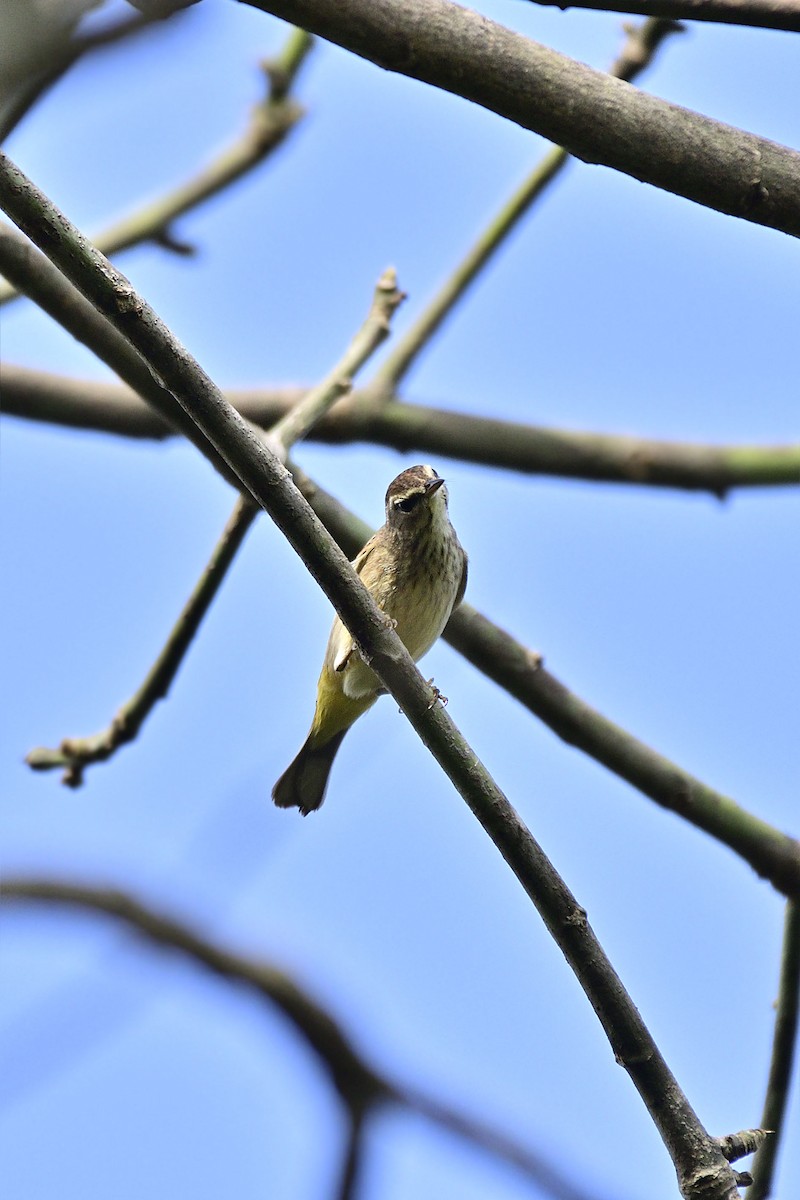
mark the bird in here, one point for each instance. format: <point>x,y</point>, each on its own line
<point>415,569</point>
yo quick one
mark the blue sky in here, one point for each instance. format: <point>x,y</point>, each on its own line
<point>615,308</point>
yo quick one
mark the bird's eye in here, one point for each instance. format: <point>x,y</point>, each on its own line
<point>408,502</point>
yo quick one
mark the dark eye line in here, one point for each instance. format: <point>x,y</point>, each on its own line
<point>408,502</point>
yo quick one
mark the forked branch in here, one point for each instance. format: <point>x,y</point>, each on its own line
<point>703,1172</point>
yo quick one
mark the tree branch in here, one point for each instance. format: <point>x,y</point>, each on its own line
<point>270,122</point>
<point>640,45</point>
<point>360,1084</point>
<point>75,754</point>
<point>33,273</point>
<point>703,1172</point>
<point>510,445</point>
<point>772,854</point>
<point>351,1168</point>
<point>784,1044</point>
<point>594,117</point>
<point>762,14</point>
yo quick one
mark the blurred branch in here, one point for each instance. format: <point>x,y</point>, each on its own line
<point>784,1044</point>
<point>764,14</point>
<point>772,854</point>
<point>66,57</point>
<point>270,122</point>
<point>352,1077</point>
<point>307,412</point>
<point>596,118</point>
<point>347,1186</point>
<point>493,1141</point>
<point>703,1173</point>
<point>33,273</point>
<point>107,407</point>
<point>75,754</point>
<point>641,43</point>
<point>361,1086</point>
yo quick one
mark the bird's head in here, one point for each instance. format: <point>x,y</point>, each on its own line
<point>415,498</point>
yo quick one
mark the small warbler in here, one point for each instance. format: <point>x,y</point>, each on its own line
<point>416,572</point>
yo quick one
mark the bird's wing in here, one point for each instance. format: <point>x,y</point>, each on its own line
<point>340,643</point>
<point>361,559</point>
<point>462,587</point>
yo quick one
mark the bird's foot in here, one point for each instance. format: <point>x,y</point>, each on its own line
<point>436,695</point>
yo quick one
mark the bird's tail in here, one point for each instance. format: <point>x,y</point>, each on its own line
<point>302,785</point>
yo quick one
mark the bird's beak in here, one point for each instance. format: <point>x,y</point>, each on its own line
<point>433,485</point>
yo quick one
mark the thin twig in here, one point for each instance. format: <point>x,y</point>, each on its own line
<point>761,14</point>
<point>495,1142</point>
<point>510,445</point>
<point>351,1075</point>
<point>641,43</point>
<point>770,852</point>
<point>784,1045</point>
<point>351,1169</point>
<point>701,1167</point>
<point>595,117</point>
<point>360,1084</point>
<point>307,412</point>
<point>270,121</point>
<point>75,754</point>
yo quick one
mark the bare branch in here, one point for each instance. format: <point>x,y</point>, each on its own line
<point>106,407</point>
<point>762,14</point>
<point>270,122</point>
<point>359,1083</point>
<point>34,274</point>
<point>746,1141</point>
<point>308,412</point>
<point>75,754</point>
<point>511,445</point>
<point>594,117</point>
<point>350,1171</point>
<point>784,1046</point>
<point>703,1173</point>
<point>352,1077</point>
<point>772,854</point>
<point>494,1142</point>
<point>637,53</point>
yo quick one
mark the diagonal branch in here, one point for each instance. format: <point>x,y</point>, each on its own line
<point>641,43</point>
<point>772,854</point>
<point>359,1083</point>
<point>702,1170</point>
<point>270,122</point>
<point>75,754</point>
<point>511,445</point>
<point>784,1044</point>
<point>594,117</point>
<point>762,14</point>
<point>33,273</point>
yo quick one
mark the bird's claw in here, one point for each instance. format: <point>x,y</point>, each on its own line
<point>436,695</point>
